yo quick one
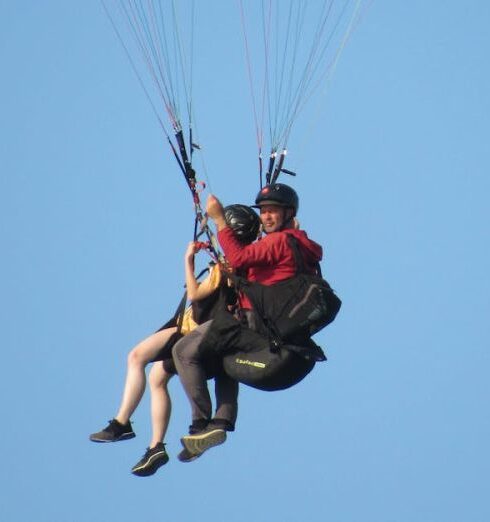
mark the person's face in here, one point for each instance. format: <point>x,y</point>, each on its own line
<point>272,217</point>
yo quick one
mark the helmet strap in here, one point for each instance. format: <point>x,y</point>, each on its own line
<point>289,215</point>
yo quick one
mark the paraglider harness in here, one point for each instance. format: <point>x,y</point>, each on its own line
<point>272,349</point>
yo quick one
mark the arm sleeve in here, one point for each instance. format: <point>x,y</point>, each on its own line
<point>265,252</point>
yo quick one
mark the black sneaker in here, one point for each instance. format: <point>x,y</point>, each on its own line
<point>186,456</point>
<point>113,432</point>
<point>198,443</point>
<point>153,459</point>
<point>198,425</point>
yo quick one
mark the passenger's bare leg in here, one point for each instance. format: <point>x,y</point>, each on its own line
<point>135,383</point>
<point>161,405</point>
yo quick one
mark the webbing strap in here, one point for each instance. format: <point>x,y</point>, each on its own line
<point>298,257</point>
<point>179,312</point>
<point>243,285</point>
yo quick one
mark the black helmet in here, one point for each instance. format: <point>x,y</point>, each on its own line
<point>278,194</point>
<point>243,221</point>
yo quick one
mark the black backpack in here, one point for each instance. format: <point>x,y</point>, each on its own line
<point>296,308</point>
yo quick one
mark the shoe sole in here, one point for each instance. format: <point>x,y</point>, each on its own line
<point>198,444</point>
<point>189,457</point>
<point>124,436</point>
<point>151,466</point>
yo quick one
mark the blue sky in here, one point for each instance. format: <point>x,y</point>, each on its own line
<point>94,220</point>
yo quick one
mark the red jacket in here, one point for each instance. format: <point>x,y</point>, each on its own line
<point>270,259</point>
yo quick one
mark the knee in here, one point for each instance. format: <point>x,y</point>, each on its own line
<point>186,349</point>
<point>177,351</point>
<point>136,358</point>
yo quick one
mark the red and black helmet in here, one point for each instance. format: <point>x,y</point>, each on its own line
<point>278,194</point>
<point>244,222</point>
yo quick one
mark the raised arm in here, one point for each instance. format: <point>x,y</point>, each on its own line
<point>195,290</point>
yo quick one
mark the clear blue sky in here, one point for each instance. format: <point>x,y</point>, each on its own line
<point>95,216</point>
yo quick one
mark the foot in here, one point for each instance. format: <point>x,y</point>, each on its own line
<point>153,459</point>
<point>186,456</point>
<point>114,432</point>
<point>200,442</point>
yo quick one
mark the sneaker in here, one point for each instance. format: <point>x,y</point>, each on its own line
<point>113,432</point>
<point>186,456</point>
<point>200,442</point>
<point>198,425</point>
<point>153,459</point>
